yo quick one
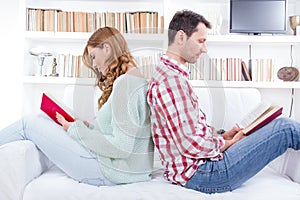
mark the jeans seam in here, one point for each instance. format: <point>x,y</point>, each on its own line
<point>213,189</point>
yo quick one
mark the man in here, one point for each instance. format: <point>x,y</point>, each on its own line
<point>194,154</point>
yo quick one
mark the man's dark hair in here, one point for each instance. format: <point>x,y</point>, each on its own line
<point>187,21</point>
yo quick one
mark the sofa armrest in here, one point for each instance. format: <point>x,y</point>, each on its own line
<point>20,163</point>
<point>288,164</point>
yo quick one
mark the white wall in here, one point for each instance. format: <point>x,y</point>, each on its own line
<point>11,51</point>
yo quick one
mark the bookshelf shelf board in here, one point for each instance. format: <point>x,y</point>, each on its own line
<point>245,84</point>
<point>83,36</point>
<point>253,39</point>
<point>58,80</point>
<point>194,83</point>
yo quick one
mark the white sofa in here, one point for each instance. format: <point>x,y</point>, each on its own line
<point>26,174</point>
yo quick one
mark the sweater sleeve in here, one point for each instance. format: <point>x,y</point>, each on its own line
<point>94,140</point>
<point>122,121</point>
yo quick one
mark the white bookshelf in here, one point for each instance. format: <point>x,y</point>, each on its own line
<point>219,45</point>
<point>59,41</point>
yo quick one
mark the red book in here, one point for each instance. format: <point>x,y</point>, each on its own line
<point>50,106</point>
<point>260,116</point>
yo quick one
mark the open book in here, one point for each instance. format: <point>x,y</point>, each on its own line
<point>50,106</point>
<point>260,116</point>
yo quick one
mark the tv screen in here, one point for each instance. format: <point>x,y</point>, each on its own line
<point>257,16</point>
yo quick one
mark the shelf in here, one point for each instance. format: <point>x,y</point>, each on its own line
<point>253,39</point>
<point>162,38</point>
<point>83,36</point>
<point>245,84</point>
<point>232,38</point>
<point>58,80</point>
<point>194,83</point>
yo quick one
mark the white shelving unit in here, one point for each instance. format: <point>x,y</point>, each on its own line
<point>73,43</point>
<point>225,44</point>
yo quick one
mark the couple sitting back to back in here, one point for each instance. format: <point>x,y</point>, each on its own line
<point>118,148</point>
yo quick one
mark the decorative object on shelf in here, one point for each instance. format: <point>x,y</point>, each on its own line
<point>54,64</point>
<point>41,55</point>
<point>298,30</point>
<point>294,22</point>
<point>288,74</point>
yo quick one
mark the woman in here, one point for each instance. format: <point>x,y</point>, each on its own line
<point>118,149</point>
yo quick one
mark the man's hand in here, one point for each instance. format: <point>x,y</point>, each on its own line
<point>228,135</point>
<point>65,124</point>
<point>237,137</point>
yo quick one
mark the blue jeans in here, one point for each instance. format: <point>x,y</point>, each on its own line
<point>247,157</point>
<point>76,161</point>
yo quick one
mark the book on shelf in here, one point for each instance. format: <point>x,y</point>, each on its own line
<point>39,19</point>
<point>263,69</point>
<point>261,115</point>
<point>51,105</point>
<point>245,72</point>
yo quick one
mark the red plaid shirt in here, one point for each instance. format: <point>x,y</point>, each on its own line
<point>183,138</point>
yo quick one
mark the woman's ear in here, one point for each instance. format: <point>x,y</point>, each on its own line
<point>107,48</point>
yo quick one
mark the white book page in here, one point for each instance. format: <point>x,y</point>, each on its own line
<point>254,114</point>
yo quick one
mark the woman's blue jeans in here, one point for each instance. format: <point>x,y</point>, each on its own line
<point>50,138</point>
<point>247,157</point>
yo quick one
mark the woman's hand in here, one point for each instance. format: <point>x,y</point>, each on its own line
<point>86,123</point>
<point>65,124</point>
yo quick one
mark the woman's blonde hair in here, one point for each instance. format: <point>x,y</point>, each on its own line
<point>117,63</point>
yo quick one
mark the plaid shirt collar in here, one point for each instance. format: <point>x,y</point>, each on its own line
<point>175,65</point>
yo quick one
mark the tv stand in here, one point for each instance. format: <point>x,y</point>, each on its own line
<point>254,33</point>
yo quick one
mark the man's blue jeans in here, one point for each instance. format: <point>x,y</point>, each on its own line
<point>247,157</point>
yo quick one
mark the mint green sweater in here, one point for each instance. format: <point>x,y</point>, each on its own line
<point>122,139</point>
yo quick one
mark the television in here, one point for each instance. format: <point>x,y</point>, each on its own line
<point>258,16</point>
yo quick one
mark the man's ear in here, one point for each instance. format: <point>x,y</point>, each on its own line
<point>180,37</point>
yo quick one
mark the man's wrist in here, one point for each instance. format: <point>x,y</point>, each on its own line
<point>221,131</point>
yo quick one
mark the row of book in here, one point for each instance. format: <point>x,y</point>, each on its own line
<point>147,64</point>
<point>76,21</point>
<point>232,69</point>
<point>263,70</point>
<point>225,69</point>
<point>220,69</point>
<point>69,65</point>
<point>206,68</point>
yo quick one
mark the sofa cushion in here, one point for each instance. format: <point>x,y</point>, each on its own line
<point>20,163</point>
<point>224,107</point>
<point>54,184</point>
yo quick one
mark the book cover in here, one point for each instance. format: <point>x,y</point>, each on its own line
<point>245,72</point>
<point>260,116</point>
<point>50,106</point>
